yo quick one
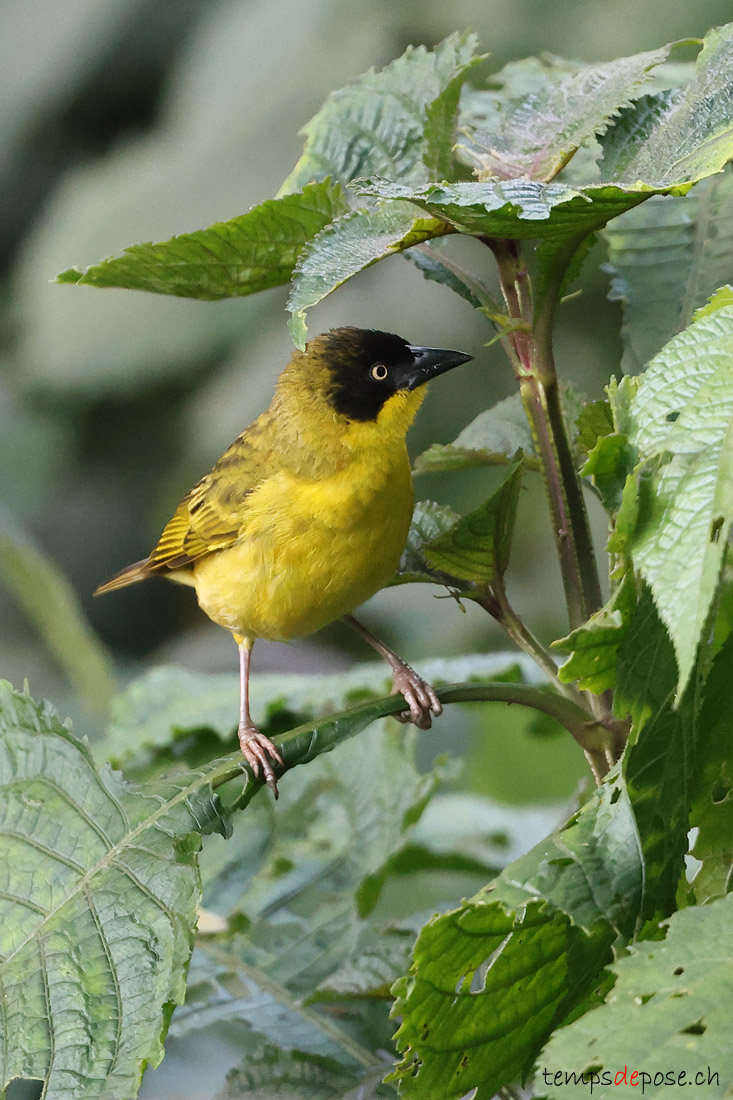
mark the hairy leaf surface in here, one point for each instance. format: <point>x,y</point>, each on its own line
<point>229,259</point>
<point>668,1011</point>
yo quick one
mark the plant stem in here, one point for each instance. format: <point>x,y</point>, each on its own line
<point>534,367</point>
<point>304,743</point>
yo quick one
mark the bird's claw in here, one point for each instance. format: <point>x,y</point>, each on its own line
<point>258,750</point>
<point>420,697</point>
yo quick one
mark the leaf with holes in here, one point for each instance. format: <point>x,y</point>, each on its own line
<point>668,1013</point>
<point>229,259</point>
<point>490,980</point>
<point>682,426</point>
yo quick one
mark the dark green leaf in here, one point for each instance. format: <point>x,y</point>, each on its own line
<point>98,906</point>
<point>682,416</point>
<point>349,245</point>
<point>545,110</point>
<point>609,464</point>
<point>666,1013</point>
<point>594,421</point>
<point>492,439</point>
<point>388,123</point>
<point>666,259</point>
<point>712,800</point>
<point>230,259</point>
<point>429,521</point>
<point>491,980</point>
<point>476,548</point>
<point>269,1073</point>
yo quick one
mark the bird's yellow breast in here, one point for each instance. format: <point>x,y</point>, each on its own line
<point>312,550</point>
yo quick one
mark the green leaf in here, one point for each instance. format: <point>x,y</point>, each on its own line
<point>682,419</point>
<point>229,259</point>
<point>593,647</point>
<point>349,245</point>
<point>492,439</point>
<point>688,135</point>
<point>54,609</point>
<point>491,980</point>
<point>545,110</point>
<point>388,123</point>
<point>429,521</point>
<point>440,269</point>
<point>667,1013</point>
<point>594,421</point>
<point>609,464</point>
<point>476,548</point>
<point>98,906</point>
<point>666,258</point>
<point>712,799</point>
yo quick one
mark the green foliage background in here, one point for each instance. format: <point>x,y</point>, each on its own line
<point>138,120</point>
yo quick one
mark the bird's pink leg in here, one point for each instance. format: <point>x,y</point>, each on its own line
<point>420,697</point>
<point>257,749</point>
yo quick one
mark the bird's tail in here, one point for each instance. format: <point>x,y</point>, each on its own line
<point>131,574</point>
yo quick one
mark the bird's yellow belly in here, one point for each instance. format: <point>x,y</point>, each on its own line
<point>311,552</point>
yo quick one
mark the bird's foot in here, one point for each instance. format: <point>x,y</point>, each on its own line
<point>258,751</point>
<point>420,697</point>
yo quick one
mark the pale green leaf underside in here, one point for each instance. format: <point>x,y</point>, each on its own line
<point>349,245</point>
<point>683,411</point>
<point>378,124</point>
<point>229,259</point>
<point>666,259</point>
<point>546,109</point>
<point>492,439</point>
<point>98,895</point>
<point>668,1011</point>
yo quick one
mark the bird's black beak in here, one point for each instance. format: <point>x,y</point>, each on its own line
<point>429,362</point>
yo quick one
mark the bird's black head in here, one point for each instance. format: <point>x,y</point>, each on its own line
<point>367,367</point>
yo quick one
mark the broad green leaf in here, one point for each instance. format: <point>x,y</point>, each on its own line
<point>476,548</point>
<point>349,245</point>
<point>389,123</point>
<point>166,703</point>
<point>666,258</point>
<point>98,904</point>
<point>593,647</point>
<point>491,980</point>
<point>520,209</point>
<point>54,609</point>
<point>693,137</point>
<point>545,110</point>
<point>712,799</point>
<point>682,419</point>
<point>667,1013</point>
<point>492,439</point>
<point>229,259</point>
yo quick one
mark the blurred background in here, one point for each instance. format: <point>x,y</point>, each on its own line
<point>132,120</point>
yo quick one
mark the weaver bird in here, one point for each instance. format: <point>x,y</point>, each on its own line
<point>306,515</point>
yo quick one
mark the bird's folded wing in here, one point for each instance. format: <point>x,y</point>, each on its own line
<point>212,515</point>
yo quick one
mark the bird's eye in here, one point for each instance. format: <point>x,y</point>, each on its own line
<point>379,372</point>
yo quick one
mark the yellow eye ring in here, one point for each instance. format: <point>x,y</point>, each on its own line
<point>379,372</point>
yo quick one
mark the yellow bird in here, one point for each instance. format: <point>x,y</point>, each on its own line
<point>306,515</point>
